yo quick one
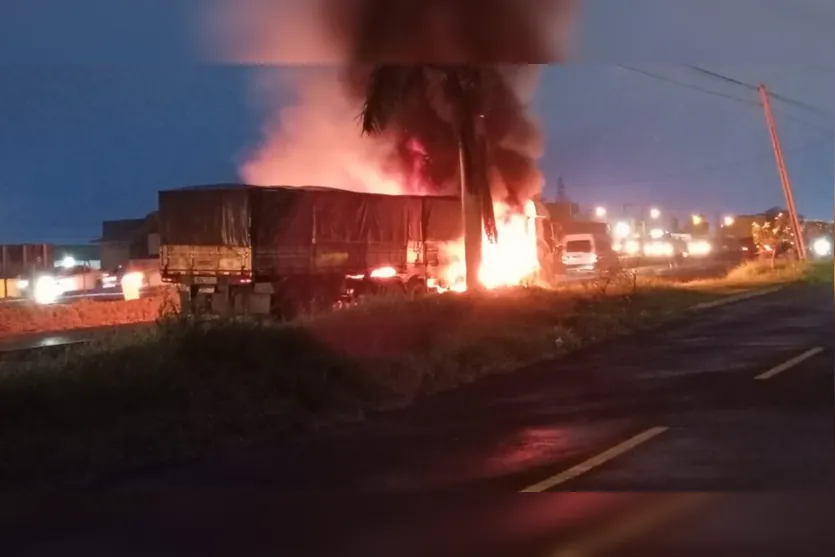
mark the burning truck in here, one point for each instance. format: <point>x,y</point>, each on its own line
<point>442,90</point>
<point>240,249</point>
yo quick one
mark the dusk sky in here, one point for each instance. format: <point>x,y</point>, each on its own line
<point>102,105</point>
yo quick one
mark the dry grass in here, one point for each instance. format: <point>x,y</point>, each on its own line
<point>23,318</point>
<point>756,274</point>
<point>188,386</point>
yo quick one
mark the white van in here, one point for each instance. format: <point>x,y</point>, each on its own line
<point>588,253</point>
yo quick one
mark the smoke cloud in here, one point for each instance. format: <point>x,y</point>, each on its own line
<point>318,140</point>
<point>448,31</point>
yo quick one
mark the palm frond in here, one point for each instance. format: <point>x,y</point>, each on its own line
<point>388,86</point>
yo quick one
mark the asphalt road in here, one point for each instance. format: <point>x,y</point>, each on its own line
<point>737,400</point>
<point>724,428</point>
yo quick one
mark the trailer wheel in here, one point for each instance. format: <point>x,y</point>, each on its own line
<point>321,299</point>
<point>416,287</point>
<point>197,300</point>
<point>287,304</point>
<point>292,306</point>
<point>393,288</point>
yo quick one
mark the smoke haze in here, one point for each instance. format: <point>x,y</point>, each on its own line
<point>318,140</point>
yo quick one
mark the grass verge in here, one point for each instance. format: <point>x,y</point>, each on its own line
<point>188,387</point>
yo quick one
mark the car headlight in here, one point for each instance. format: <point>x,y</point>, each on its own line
<point>46,290</point>
<point>631,247</point>
<point>133,280</point>
<point>699,247</point>
<point>822,247</point>
<point>658,249</point>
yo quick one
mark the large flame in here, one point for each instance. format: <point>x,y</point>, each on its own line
<point>511,261</point>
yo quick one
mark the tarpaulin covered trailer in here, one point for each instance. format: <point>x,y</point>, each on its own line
<point>226,234</point>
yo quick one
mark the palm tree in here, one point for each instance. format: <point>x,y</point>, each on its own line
<point>456,95</point>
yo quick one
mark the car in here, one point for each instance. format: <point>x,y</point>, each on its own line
<point>48,287</point>
<point>588,253</point>
<point>77,278</point>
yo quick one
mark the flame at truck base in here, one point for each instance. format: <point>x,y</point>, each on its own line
<point>512,261</point>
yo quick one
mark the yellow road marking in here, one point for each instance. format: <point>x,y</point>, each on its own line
<point>595,461</point>
<point>785,366</point>
<point>632,526</point>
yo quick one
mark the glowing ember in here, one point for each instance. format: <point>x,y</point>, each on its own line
<point>510,262</point>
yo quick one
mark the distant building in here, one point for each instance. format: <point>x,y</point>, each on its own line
<point>562,210</point>
<point>128,239</point>
<point>743,225</point>
<point>82,253</point>
<point>817,228</point>
<point>20,259</point>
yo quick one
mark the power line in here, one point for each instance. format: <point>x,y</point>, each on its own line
<point>722,95</point>
<point>712,167</point>
<point>802,121</point>
<point>785,99</point>
<point>722,77</point>
<point>688,85</point>
<point>801,104</point>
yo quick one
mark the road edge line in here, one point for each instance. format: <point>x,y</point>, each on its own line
<point>736,298</point>
<point>789,364</point>
<point>598,460</point>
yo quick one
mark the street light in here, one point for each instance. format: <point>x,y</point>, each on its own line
<point>654,213</point>
<point>728,221</point>
<point>622,230</point>
<point>697,220</point>
<point>600,212</point>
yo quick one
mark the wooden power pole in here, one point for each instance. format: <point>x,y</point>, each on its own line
<point>784,176</point>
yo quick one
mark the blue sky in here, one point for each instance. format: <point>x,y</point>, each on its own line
<point>103,103</point>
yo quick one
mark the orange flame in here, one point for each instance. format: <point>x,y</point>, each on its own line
<point>512,261</point>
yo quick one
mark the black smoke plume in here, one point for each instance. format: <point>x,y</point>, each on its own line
<point>503,38</point>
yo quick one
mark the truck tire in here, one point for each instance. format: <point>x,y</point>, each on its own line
<point>197,301</point>
<point>416,287</point>
<point>288,305</point>
<point>393,288</point>
<point>321,299</point>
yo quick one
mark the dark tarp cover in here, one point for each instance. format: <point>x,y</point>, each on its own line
<point>282,216</point>
<point>442,220</point>
<point>302,216</point>
<point>391,219</point>
<point>292,218</point>
<point>208,216</point>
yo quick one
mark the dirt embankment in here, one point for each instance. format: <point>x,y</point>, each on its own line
<point>22,318</point>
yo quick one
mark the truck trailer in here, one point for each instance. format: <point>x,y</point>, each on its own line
<point>241,249</point>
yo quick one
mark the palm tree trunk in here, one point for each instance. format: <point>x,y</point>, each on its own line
<point>471,216</point>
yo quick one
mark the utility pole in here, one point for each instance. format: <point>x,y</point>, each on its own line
<point>561,195</point>
<point>784,176</point>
